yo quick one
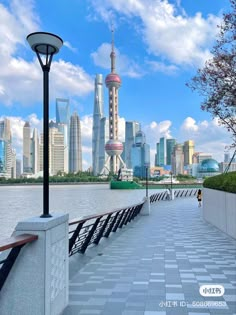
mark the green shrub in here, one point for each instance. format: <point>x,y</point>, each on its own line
<point>225,182</point>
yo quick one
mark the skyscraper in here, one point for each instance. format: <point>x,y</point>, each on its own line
<point>188,152</point>
<point>7,154</point>
<point>157,160</point>
<point>63,125</point>
<point>178,159</point>
<point>62,111</point>
<point>103,138</point>
<point>27,160</point>
<point>113,147</point>
<point>56,151</point>
<point>63,128</point>
<point>75,150</point>
<point>170,143</point>
<point>131,128</point>
<point>162,151</point>
<point>140,155</point>
<point>5,129</point>
<point>97,116</point>
<point>35,152</point>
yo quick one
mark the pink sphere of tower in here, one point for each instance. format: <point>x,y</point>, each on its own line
<point>114,147</point>
<point>113,79</point>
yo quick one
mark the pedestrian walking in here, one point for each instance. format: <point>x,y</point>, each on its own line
<point>199,197</point>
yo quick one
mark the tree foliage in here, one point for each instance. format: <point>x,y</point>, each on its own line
<point>216,81</point>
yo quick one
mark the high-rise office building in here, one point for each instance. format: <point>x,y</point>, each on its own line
<point>56,151</point>
<point>75,149</point>
<point>178,159</point>
<point>7,154</point>
<point>103,138</point>
<point>131,128</point>
<point>170,143</point>
<point>62,111</point>
<point>63,128</point>
<point>140,155</point>
<point>35,152</point>
<point>113,147</point>
<point>27,160</point>
<point>63,125</point>
<point>5,129</point>
<point>162,151</point>
<point>188,152</point>
<point>7,160</point>
<point>157,160</point>
<point>97,125</point>
<point>3,158</point>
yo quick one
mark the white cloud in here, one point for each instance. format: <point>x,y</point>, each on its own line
<point>69,46</point>
<point>124,65</point>
<point>165,28</point>
<point>21,80</point>
<point>154,131</point>
<point>163,68</point>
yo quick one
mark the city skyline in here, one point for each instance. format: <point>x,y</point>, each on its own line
<point>153,66</point>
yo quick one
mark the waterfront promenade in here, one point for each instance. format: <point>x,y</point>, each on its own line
<point>155,266</point>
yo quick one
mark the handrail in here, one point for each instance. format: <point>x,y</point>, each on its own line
<point>14,243</point>
<point>89,230</point>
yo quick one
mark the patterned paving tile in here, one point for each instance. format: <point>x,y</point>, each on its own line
<point>156,264</point>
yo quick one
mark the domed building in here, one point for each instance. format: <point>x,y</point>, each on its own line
<point>208,167</point>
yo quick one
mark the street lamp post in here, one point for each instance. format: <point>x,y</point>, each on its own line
<point>45,44</point>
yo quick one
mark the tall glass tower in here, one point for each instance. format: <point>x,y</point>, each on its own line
<point>27,160</point>
<point>75,149</point>
<point>97,124</point>
<point>62,111</point>
<point>131,128</point>
<point>170,143</point>
<point>140,155</point>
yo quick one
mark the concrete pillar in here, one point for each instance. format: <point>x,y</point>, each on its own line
<point>146,206</point>
<point>38,282</point>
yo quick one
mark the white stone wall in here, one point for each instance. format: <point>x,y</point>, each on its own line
<point>219,208</point>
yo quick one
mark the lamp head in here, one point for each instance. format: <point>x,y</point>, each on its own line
<point>44,43</point>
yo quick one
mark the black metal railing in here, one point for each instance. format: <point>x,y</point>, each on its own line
<point>14,244</point>
<point>177,193</point>
<point>91,229</point>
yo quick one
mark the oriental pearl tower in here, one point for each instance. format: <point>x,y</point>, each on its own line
<point>113,147</point>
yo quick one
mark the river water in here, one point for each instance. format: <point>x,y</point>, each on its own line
<point>21,202</point>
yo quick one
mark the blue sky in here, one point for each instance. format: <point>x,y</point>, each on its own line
<point>159,47</point>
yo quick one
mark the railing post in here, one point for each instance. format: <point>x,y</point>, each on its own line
<point>111,225</point>
<point>10,260</point>
<point>124,218</point>
<point>89,236</point>
<point>100,234</point>
<point>74,236</point>
<point>119,220</point>
<point>129,215</point>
